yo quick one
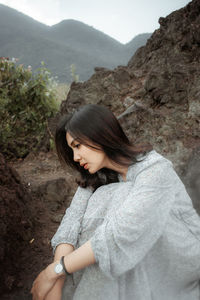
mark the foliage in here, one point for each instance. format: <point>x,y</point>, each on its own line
<point>74,76</point>
<point>27,100</point>
<point>62,91</point>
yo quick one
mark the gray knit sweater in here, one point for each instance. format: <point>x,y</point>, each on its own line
<point>145,235</point>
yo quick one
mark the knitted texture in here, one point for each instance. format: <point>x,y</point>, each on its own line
<point>145,235</point>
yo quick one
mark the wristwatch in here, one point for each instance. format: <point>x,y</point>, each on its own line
<point>59,269</point>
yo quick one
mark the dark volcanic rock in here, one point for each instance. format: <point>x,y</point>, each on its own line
<point>191,177</point>
<point>15,223</point>
<point>28,222</point>
<point>157,95</point>
<point>164,72</point>
<point>170,59</point>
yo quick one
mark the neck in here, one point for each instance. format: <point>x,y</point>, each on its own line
<point>121,169</point>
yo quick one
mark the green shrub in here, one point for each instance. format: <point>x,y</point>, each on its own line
<point>74,76</point>
<point>27,100</point>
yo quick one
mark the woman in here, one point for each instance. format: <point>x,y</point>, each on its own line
<point>131,231</point>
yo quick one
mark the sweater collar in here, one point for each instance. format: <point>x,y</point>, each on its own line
<point>132,168</point>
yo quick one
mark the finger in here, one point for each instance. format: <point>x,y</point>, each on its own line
<point>32,288</point>
<point>35,297</point>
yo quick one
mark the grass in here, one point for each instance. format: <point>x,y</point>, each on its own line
<point>62,92</point>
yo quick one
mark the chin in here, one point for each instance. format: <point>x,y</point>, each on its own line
<point>92,171</point>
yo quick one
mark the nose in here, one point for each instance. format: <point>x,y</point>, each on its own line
<point>77,156</point>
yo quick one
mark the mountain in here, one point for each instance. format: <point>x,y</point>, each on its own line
<point>137,42</point>
<point>14,25</point>
<point>91,41</point>
<point>59,46</point>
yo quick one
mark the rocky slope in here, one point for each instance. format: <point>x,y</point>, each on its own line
<point>16,223</point>
<point>157,95</point>
<point>163,75</point>
<point>33,200</point>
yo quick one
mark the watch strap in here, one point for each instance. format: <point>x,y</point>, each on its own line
<point>64,268</point>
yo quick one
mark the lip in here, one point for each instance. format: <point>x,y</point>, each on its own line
<point>85,166</point>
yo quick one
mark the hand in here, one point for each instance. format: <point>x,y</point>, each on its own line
<point>44,282</point>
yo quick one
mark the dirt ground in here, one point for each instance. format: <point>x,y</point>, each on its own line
<point>35,172</point>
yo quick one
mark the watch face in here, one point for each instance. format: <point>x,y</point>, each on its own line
<point>58,268</point>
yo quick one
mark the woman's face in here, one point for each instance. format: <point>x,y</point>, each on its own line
<point>89,158</point>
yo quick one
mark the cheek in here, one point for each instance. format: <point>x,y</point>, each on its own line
<point>101,158</point>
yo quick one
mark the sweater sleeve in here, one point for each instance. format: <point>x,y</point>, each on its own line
<point>70,225</point>
<point>124,238</point>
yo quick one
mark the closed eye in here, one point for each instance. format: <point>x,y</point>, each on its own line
<point>77,145</point>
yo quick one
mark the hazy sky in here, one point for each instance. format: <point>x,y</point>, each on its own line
<point>121,19</point>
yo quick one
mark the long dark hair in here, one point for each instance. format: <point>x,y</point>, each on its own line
<point>96,124</point>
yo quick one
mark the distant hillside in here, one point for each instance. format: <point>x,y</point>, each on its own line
<point>91,41</point>
<point>136,42</point>
<point>59,46</point>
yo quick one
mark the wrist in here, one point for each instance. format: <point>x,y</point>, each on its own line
<point>53,270</point>
<point>64,267</point>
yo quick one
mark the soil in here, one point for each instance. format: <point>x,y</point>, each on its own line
<point>34,172</point>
